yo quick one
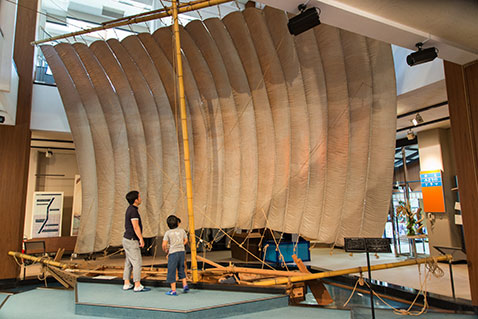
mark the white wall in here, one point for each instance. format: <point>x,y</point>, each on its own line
<point>48,113</point>
<point>436,153</point>
<point>45,175</point>
<point>8,72</point>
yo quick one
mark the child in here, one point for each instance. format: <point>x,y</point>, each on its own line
<point>176,238</point>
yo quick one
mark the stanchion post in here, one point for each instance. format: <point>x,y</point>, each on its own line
<point>451,280</point>
<point>370,281</point>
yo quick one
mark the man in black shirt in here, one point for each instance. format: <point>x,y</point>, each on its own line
<point>132,243</point>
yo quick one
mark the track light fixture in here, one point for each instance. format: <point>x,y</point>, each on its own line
<point>422,55</point>
<point>418,119</point>
<point>410,135</point>
<point>48,154</point>
<point>305,20</point>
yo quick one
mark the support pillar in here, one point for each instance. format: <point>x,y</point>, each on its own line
<point>462,90</point>
<point>15,143</point>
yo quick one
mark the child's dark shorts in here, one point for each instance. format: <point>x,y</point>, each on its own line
<point>176,261</point>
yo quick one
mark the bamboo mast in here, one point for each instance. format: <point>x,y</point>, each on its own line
<point>165,12</point>
<point>280,281</point>
<point>39,259</point>
<point>184,125</point>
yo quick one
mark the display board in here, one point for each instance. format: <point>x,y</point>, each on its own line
<point>432,190</point>
<point>47,212</point>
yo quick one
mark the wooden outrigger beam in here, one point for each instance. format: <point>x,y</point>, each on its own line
<point>40,260</point>
<point>281,281</point>
<point>162,13</point>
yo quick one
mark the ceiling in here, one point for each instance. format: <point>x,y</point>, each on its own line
<point>403,22</point>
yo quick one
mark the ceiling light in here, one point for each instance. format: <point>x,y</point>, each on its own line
<point>48,154</point>
<point>418,119</point>
<point>422,55</point>
<point>410,135</point>
<point>304,21</point>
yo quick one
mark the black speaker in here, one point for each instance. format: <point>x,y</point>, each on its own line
<point>422,56</point>
<point>304,21</point>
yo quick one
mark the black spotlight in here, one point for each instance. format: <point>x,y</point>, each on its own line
<point>422,55</point>
<point>304,21</point>
<point>2,119</point>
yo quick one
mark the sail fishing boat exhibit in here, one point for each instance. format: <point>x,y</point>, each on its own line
<point>295,134</point>
<point>230,123</point>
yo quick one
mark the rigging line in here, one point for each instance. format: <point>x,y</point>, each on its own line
<point>232,239</point>
<point>264,259</point>
<point>237,5</point>
<point>275,241</point>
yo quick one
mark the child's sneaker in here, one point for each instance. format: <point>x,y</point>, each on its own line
<point>186,289</point>
<point>172,293</point>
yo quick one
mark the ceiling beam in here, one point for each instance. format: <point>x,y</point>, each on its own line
<point>348,18</point>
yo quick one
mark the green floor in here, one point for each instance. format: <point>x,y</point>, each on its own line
<point>59,303</point>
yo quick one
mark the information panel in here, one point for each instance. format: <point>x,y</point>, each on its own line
<point>371,245</point>
<point>47,211</point>
<point>432,190</point>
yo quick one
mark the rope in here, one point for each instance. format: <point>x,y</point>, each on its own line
<point>361,281</point>
<point>431,267</point>
<point>264,258</point>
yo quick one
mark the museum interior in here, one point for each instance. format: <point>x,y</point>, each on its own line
<point>322,157</point>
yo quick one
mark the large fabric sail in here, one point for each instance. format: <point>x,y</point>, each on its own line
<point>295,134</point>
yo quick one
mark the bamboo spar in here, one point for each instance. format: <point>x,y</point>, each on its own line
<point>185,7</point>
<point>184,125</point>
<point>39,259</point>
<point>280,281</point>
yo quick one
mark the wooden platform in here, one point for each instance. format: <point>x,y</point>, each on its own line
<point>109,300</point>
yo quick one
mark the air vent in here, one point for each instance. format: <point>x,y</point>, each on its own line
<point>113,13</point>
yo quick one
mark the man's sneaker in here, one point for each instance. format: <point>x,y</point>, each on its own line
<point>172,293</point>
<point>128,287</point>
<point>186,289</point>
<point>141,288</point>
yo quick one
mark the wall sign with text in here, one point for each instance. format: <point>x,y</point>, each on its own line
<point>432,190</point>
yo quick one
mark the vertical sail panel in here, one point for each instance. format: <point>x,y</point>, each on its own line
<point>101,141</point>
<point>299,119</point>
<point>210,103</point>
<point>134,126</point>
<point>230,121</point>
<point>273,82</point>
<point>279,108</point>
<point>359,75</point>
<point>167,137</point>
<point>316,96</point>
<point>200,143</point>
<point>152,133</point>
<point>384,116</point>
<point>85,154</point>
<point>245,111</point>
<point>241,36</point>
<point>171,160</point>
<point>116,125</point>
<point>328,39</point>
